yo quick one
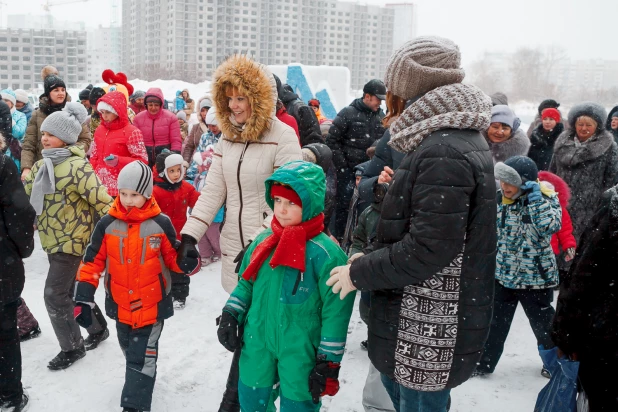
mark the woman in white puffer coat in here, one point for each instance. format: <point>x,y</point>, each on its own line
<point>254,143</point>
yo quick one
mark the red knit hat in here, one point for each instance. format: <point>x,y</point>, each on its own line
<point>551,112</point>
<point>285,192</point>
<point>314,102</point>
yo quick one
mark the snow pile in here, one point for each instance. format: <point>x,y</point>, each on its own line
<point>193,366</point>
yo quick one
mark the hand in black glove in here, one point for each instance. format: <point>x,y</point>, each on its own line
<point>82,312</point>
<point>228,331</point>
<point>239,257</point>
<point>187,259</point>
<point>324,379</point>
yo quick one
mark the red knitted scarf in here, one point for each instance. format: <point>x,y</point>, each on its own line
<point>289,243</point>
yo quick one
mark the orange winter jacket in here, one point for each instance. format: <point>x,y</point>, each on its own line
<point>136,249</point>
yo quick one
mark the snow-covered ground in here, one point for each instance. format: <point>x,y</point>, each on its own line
<point>193,366</point>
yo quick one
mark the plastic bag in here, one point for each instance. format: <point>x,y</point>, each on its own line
<point>560,394</point>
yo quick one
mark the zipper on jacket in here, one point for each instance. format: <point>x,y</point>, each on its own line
<point>242,156</point>
<point>503,220</point>
<point>299,278</point>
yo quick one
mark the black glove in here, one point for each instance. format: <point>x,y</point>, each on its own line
<point>239,257</point>
<point>228,332</point>
<point>187,259</point>
<point>82,313</point>
<point>323,379</point>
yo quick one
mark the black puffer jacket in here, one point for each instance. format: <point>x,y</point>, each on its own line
<point>308,125</point>
<point>6,125</point>
<point>442,200</point>
<point>542,145</point>
<point>586,320</point>
<point>16,230</point>
<point>354,129</point>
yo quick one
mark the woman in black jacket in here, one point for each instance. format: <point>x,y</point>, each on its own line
<point>543,138</point>
<point>17,234</point>
<point>586,321</point>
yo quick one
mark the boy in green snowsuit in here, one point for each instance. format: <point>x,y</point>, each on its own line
<point>295,328</point>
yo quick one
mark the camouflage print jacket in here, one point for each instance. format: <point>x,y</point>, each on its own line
<point>70,213</point>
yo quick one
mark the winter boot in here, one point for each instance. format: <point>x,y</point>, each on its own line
<point>545,373</point>
<point>65,359</point>
<point>130,410</point>
<point>93,340</point>
<point>364,345</point>
<point>180,304</point>
<point>33,333</point>
<point>21,405</point>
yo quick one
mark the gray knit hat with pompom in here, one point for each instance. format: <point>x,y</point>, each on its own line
<point>421,65</point>
<point>66,124</point>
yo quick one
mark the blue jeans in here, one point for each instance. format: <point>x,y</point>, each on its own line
<point>410,400</point>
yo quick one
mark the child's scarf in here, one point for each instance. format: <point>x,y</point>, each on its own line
<point>45,180</point>
<point>289,243</point>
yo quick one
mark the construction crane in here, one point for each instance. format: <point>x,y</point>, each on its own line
<point>49,4</point>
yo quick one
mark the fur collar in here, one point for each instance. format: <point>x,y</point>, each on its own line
<point>613,211</point>
<point>254,81</point>
<point>517,145</point>
<point>570,154</point>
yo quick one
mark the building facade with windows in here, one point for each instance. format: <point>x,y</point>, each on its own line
<point>104,51</point>
<point>187,39</point>
<point>24,52</point>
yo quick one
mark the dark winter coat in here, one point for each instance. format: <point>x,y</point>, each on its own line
<point>608,124</point>
<point>586,320</point>
<point>6,126</point>
<point>443,200</point>
<point>517,145</point>
<point>589,170</point>
<point>308,125</point>
<point>537,121</point>
<point>542,145</point>
<point>354,129</point>
<point>384,156</point>
<point>16,230</point>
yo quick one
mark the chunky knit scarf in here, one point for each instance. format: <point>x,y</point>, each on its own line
<point>289,243</point>
<point>455,106</point>
<point>45,179</point>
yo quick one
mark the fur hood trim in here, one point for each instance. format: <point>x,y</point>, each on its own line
<point>253,80</point>
<point>570,154</point>
<point>560,186</point>
<point>517,145</point>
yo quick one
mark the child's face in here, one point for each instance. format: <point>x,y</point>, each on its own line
<point>108,117</point>
<point>358,180</point>
<point>509,191</point>
<point>174,173</point>
<point>549,123</point>
<point>130,198</point>
<point>287,213</point>
<point>50,141</point>
<point>181,121</point>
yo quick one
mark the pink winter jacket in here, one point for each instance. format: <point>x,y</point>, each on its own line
<point>161,131</point>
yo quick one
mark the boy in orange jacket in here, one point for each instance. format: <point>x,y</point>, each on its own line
<point>135,244</point>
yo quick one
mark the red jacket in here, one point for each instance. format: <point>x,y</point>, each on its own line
<point>137,250</point>
<point>119,138</point>
<point>283,116</point>
<point>174,200</point>
<point>563,239</point>
<point>160,131</point>
<point>137,109</point>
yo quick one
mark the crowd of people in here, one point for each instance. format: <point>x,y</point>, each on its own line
<point>443,212</point>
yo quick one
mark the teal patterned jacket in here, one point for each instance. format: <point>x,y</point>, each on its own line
<point>525,259</point>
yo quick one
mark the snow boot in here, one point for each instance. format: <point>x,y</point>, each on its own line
<point>20,405</point>
<point>130,410</point>
<point>545,373</point>
<point>93,340</point>
<point>180,304</point>
<point>65,359</point>
<point>33,333</point>
<point>364,345</point>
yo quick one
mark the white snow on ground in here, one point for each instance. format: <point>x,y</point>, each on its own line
<point>193,366</point>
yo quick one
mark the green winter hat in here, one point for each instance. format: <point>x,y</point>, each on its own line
<point>307,180</point>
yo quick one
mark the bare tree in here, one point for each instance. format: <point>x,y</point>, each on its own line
<point>525,70</point>
<point>486,76</point>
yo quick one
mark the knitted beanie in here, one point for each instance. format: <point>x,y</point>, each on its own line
<point>138,94</point>
<point>52,82</point>
<point>516,170</point>
<point>423,64</point>
<point>66,124</point>
<point>84,94</point>
<point>8,94</point>
<point>181,116</point>
<point>136,176</point>
<point>95,94</point>
<point>211,116</point>
<point>21,96</point>
<point>502,114</point>
<point>551,112</point>
<point>548,103</point>
<point>205,102</point>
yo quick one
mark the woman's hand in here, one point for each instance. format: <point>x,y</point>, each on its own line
<point>24,174</point>
<point>386,176</point>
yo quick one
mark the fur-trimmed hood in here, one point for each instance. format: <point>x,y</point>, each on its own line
<point>560,186</point>
<point>570,154</point>
<point>517,145</point>
<point>252,80</point>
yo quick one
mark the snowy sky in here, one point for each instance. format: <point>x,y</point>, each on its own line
<point>585,28</point>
